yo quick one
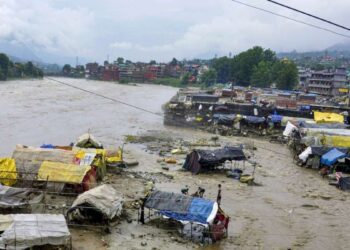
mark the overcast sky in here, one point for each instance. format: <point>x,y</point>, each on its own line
<point>161,29</point>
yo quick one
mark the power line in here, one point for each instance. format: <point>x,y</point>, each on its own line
<point>310,15</point>
<point>292,19</point>
<point>105,97</point>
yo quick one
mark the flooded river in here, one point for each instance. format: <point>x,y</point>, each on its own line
<point>294,208</point>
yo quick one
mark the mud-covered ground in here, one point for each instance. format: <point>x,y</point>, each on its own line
<point>291,207</point>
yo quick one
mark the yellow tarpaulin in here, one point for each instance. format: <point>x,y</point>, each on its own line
<point>118,157</point>
<point>336,141</point>
<point>322,117</point>
<point>8,171</point>
<point>62,172</point>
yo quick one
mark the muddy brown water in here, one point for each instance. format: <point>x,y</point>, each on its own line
<point>294,208</point>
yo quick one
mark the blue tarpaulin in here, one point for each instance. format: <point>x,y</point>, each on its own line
<point>332,157</point>
<point>199,211</point>
<point>276,118</point>
<point>47,146</point>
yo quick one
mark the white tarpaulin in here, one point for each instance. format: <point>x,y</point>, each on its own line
<point>289,129</point>
<point>23,231</point>
<point>305,154</point>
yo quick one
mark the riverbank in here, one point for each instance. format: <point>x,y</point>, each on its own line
<point>290,208</point>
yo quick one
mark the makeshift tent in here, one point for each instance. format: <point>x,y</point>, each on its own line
<point>29,159</point>
<point>222,119</point>
<point>182,207</point>
<point>336,141</point>
<point>199,159</point>
<point>97,204</point>
<point>88,141</point>
<point>8,172</point>
<point>304,124</point>
<point>67,174</point>
<point>321,117</point>
<point>332,157</point>
<point>11,197</point>
<point>94,157</point>
<point>325,131</point>
<point>22,231</point>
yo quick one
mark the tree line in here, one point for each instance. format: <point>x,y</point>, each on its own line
<point>256,67</point>
<point>10,70</point>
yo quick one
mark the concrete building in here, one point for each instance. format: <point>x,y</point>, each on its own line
<point>328,82</point>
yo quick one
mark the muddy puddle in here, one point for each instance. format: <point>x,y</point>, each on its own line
<point>292,208</point>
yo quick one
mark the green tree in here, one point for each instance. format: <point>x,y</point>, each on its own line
<point>223,67</point>
<point>29,69</point>
<point>152,62</point>
<point>66,70</point>
<point>120,60</point>
<point>4,66</point>
<point>285,74</point>
<point>209,77</point>
<point>185,79</point>
<point>174,62</point>
<point>261,75</point>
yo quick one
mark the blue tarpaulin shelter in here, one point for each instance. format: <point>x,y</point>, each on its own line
<point>182,207</point>
<point>332,157</point>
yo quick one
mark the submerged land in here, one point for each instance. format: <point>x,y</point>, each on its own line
<point>288,208</point>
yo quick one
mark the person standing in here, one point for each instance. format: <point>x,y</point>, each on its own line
<point>218,198</point>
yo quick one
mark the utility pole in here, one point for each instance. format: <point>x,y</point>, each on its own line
<point>232,84</point>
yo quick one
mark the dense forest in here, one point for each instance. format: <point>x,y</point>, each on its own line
<point>11,70</point>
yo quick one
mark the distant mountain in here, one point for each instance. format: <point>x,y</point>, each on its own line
<point>18,52</point>
<point>339,47</point>
<point>22,53</point>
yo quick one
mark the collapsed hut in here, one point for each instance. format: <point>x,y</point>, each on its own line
<point>15,198</point>
<point>98,205</point>
<point>23,231</point>
<point>201,219</point>
<point>201,160</point>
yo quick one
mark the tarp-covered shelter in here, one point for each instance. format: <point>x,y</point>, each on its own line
<point>322,117</point>
<point>68,174</point>
<point>332,157</point>
<point>304,124</point>
<point>102,203</point>
<point>224,119</point>
<point>187,210</point>
<point>8,171</point>
<point>28,159</point>
<point>22,231</point>
<point>336,141</point>
<point>206,159</point>
<point>11,197</point>
<point>254,119</point>
<point>182,207</point>
<point>88,141</point>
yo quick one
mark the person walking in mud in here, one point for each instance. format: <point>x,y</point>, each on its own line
<point>218,198</point>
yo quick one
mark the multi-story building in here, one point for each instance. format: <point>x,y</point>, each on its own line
<point>328,82</point>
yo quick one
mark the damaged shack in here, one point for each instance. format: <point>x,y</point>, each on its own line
<point>204,160</point>
<point>201,220</point>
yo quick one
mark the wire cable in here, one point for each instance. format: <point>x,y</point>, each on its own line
<point>103,96</point>
<point>292,19</point>
<point>310,15</point>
